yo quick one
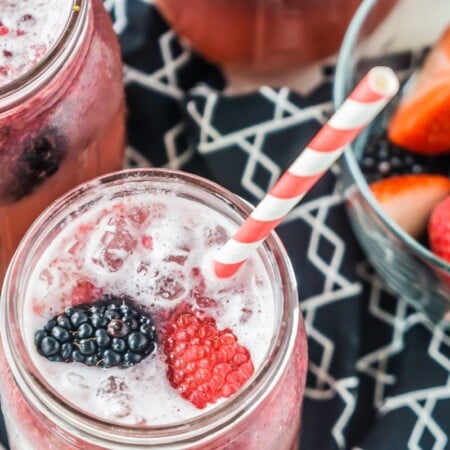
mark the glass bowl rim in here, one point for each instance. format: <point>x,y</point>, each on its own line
<point>339,95</point>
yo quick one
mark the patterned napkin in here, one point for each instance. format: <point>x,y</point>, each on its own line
<point>379,372</point>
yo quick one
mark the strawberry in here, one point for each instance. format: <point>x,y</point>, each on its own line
<point>421,122</point>
<point>204,363</point>
<point>439,229</point>
<point>409,199</point>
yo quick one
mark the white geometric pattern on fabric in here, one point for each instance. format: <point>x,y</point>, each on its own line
<point>175,160</point>
<point>134,158</point>
<point>156,81</point>
<point>375,364</point>
<point>163,80</point>
<point>336,288</point>
<point>250,139</point>
<point>118,7</point>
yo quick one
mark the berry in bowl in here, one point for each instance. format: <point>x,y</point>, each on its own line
<point>396,175</point>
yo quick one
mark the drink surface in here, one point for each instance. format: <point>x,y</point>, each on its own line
<point>28,30</point>
<point>154,248</point>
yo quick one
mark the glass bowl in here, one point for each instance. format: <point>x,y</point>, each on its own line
<point>401,40</point>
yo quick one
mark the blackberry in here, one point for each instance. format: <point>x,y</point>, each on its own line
<point>27,163</point>
<point>109,332</point>
<point>383,159</point>
<point>66,350</point>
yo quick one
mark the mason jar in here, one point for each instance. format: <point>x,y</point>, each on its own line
<point>62,120</point>
<point>264,414</point>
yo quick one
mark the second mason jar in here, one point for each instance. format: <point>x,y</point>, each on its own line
<point>61,109</point>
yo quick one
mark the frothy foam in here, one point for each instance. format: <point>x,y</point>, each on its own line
<point>28,30</point>
<point>146,247</point>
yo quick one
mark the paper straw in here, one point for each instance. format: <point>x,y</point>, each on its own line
<point>368,98</point>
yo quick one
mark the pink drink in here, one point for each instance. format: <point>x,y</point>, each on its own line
<point>61,106</point>
<point>149,236</point>
<point>28,31</point>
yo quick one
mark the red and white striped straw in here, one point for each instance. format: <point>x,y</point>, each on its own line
<point>364,103</point>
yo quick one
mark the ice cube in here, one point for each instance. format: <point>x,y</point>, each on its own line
<point>55,274</point>
<point>114,393</point>
<point>76,380</point>
<point>202,301</point>
<point>77,244</point>
<point>246,313</point>
<point>216,236</point>
<point>46,276</point>
<point>144,215</point>
<point>142,268</point>
<point>138,215</point>
<point>177,259</point>
<point>117,243</point>
<point>119,408</point>
<point>112,385</point>
<point>184,240</point>
<point>170,287</point>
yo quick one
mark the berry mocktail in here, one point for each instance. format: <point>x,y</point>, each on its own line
<point>121,322</point>
<point>61,106</point>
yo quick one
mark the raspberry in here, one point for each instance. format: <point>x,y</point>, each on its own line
<point>204,363</point>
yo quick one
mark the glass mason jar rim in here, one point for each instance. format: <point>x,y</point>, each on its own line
<point>340,92</point>
<point>38,76</point>
<point>201,428</point>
